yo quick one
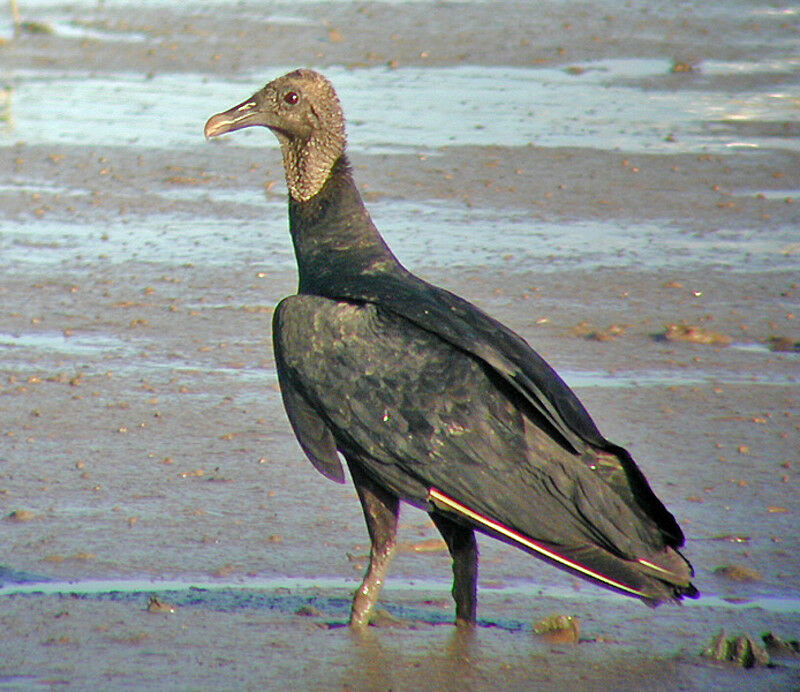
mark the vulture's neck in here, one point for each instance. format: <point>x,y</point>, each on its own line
<point>335,242</point>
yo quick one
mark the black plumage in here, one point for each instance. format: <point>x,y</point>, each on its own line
<point>430,400</point>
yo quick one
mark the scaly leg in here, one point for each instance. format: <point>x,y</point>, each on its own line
<point>463,549</point>
<point>380,512</point>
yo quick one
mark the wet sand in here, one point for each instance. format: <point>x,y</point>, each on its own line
<point>143,445</point>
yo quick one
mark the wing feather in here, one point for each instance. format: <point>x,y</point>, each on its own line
<point>468,328</point>
<point>420,413</point>
<point>311,431</point>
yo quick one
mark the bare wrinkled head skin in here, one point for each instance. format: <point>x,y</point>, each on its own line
<point>304,112</point>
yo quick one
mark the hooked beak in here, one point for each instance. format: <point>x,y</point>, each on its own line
<point>246,114</point>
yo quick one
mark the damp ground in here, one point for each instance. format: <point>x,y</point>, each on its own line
<point>603,179</point>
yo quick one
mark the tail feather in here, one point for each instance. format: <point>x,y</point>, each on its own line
<point>664,575</point>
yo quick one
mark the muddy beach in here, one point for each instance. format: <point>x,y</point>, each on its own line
<point>635,220</point>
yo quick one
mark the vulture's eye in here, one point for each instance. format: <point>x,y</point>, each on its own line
<point>291,97</point>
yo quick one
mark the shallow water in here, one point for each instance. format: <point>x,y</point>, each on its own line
<point>431,234</point>
<point>260,592</point>
<point>169,467</point>
<point>142,356</point>
<point>83,345</point>
<point>493,105</point>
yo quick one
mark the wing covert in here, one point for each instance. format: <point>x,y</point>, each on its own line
<point>311,431</point>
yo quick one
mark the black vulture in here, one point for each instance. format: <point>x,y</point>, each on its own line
<point>430,400</point>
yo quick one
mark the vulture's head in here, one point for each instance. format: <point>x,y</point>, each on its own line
<point>303,111</point>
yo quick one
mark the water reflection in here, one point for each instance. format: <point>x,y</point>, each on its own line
<point>447,662</point>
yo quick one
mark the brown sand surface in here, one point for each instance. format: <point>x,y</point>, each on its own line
<point>143,444</point>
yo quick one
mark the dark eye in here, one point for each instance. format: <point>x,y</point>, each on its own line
<point>291,97</point>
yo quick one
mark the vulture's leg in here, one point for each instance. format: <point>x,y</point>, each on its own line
<point>463,549</point>
<point>380,512</point>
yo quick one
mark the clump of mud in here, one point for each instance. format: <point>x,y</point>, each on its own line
<point>743,650</point>
<point>559,629</point>
<point>694,335</point>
